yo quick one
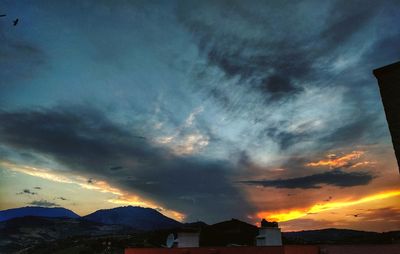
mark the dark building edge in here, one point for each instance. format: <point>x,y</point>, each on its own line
<point>389,86</point>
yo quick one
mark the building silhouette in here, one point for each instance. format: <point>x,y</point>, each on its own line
<point>389,86</point>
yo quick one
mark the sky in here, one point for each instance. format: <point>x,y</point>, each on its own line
<point>203,110</point>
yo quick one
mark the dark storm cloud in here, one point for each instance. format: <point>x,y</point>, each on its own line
<point>27,191</point>
<point>253,71</point>
<point>87,142</point>
<point>43,203</point>
<point>201,187</point>
<point>279,59</point>
<point>260,63</point>
<point>279,85</point>
<point>336,177</point>
<point>84,139</point>
<point>271,59</point>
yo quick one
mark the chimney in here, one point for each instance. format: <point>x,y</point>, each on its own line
<point>269,234</point>
<point>188,239</point>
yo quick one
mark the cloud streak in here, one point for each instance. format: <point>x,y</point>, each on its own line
<point>336,178</point>
<point>27,191</point>
<point>43,203</point>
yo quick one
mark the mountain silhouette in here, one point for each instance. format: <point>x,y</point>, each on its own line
<point>136,217</point>
<point>339,236</point>
<point>37,211</point>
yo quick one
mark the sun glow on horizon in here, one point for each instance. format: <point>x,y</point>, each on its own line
<point>299,213</point>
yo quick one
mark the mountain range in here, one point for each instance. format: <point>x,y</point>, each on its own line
<point>136,217</point>
<point>50,212</point>
<point>43,230</point>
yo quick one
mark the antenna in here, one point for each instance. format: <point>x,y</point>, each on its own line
<point>170,240</point>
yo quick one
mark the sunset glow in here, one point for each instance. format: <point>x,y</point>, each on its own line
<point>122,198</point>
<point>296,214</point>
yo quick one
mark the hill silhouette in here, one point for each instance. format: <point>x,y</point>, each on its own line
<point>135,217</point>
<point>59,212</point>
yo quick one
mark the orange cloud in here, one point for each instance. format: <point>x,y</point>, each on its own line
<point>363,163</point>
<point>335,161</point>
<point>298,213</point>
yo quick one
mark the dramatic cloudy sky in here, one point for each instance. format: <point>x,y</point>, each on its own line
<point>202,110</point>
